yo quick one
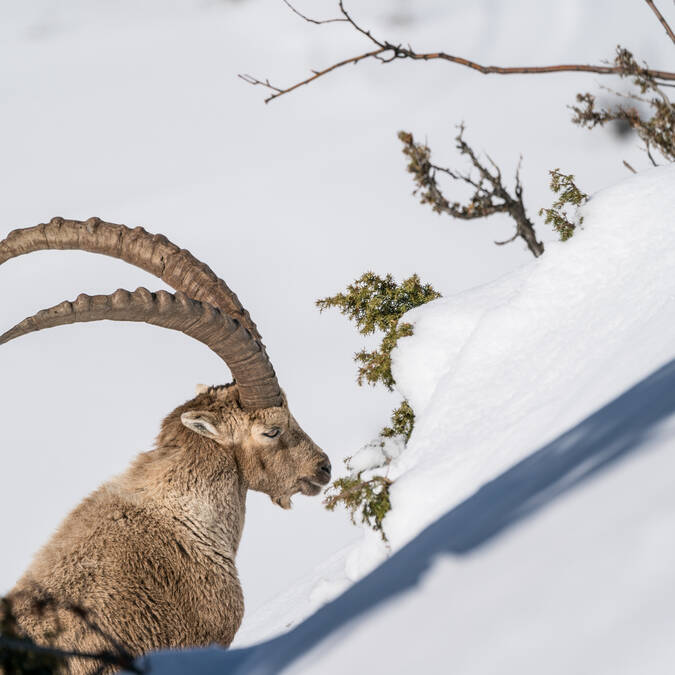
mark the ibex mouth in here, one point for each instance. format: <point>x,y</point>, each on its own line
<point>309,487</point>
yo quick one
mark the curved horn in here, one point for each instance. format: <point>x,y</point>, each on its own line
<point>153,253</point>
<point>227,337</point>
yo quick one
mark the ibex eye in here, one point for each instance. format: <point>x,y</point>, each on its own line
<point>272,433</point>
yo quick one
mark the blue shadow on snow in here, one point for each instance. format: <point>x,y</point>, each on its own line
<point>619,428</point>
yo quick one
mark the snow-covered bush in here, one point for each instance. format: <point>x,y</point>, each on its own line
<point>376,303</point>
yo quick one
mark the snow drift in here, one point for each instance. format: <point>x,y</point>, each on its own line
<point>495,372</point>
<point>496,375</point>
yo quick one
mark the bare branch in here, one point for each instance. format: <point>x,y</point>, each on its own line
<point>316,74</point>
<point>387,52</point>
<point>318,22</point>
<point>361,30</point>
<point>526,70</point>
<point>490,195</point>
<point>507,241</point>
<point>662,19</point>
<point>263,83</point>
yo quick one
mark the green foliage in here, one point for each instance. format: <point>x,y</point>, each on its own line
<point>369,498</point>
<point>376,365</point>
<point>569,194</point>
<point>402,422</point>
<point>376,304</point>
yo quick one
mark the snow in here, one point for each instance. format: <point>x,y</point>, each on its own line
<point>585,586</point>
<point>561,564</point>
<point>495,372</point>
<point>376,453</point>
<point>542,463</point>
<point>133,112</point>
<point>529,355</point>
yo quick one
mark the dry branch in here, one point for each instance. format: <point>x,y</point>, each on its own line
<point>387,52</point>
<point>659,16</point>
<point>657,132</point>
<point>490,195</point>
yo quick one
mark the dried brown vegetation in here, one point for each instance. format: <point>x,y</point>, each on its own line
<point>490,196</point>
<point>655,130</point>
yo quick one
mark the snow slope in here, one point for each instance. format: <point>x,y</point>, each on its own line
<point>499,370</point>
<point>513,384</point>
<point>133,112</point>
<point>577,580</point>
<point>495,372</point>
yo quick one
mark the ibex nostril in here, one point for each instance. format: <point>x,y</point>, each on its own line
<point>326,468</point>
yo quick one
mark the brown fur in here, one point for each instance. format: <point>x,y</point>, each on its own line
<point>151,554</point>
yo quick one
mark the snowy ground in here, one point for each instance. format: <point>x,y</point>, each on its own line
<point>133,112</point>
<point>583,585</point>
<point>581,340</point>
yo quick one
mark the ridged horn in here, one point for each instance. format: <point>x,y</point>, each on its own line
<point>226,336</point>
<point>153,253</point>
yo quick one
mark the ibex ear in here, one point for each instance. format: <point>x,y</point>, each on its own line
<point>201,422</point>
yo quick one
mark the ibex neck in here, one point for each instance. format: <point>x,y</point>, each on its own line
<point>196,482</point>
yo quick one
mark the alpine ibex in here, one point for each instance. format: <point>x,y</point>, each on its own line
<point>150,555</point>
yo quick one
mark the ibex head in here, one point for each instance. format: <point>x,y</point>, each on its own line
<point>251,417</point>
<point>273,454</point>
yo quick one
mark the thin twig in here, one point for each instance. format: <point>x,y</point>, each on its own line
<point>628,166</point>
<point>662,19</point>
<point>316,74</point>
<point>508,241</point>
<point>318,22</point>
<point>361,30</point>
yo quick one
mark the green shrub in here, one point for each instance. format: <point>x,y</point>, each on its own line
<point>369,498</point>
<point>402,422</point>
<point>569,194</point>
<point>376,304</point>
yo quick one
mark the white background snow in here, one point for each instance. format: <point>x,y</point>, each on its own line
<point>133,112</point>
